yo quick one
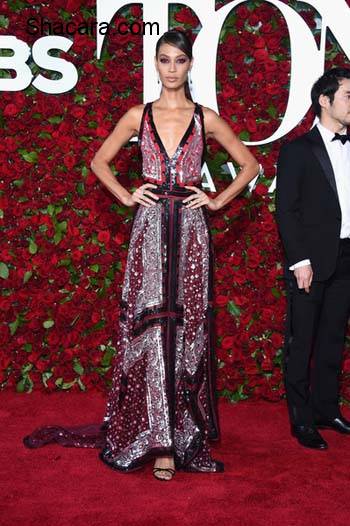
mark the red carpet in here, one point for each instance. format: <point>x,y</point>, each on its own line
<point>269,479</point>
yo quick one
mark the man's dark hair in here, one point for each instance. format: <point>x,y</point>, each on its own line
<point>327,85</point>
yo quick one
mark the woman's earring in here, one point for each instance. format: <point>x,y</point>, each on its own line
<point>189,76</point>
<point>158,78</point>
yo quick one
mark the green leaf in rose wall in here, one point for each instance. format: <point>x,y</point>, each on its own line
<point>3,73</point>
<point>60,230</point>
<point>50,209</point>
<point>64,262</point>
<point>275,292</point>
<point>47,324</point>
<point>14,325</point>
<point>233,308</point>
<point>4,270</point>
<point>78,368</point>
<point>20,386</point>
<point>68,385</point>
<point>244,135</point>
<point>79,98</point>
<point>27,275</point>
<point>81,385</point>
<point>16,5</point>
<point>80,187</point>
<point>108,356</point>
<point>45,135</point>
<point>272,205</point>
<point>84,171</point>
<point>18,182</point>
<point>278,358</point>
<point>272,111</point>
<point>4,21</point>
<point>30,157</point>
<point>75,278</point>
<point>29,384</point>
<point>56,119</point>
<point>26,368</point>
<point>32,247</point>
<point>102,291</point>
<point>26,383</point>
<point>99,325</point>
<point>65,15</point>
<point>46,376</point>
<point>58,382</point>
<point>250,323</point>
<point>28,347</point>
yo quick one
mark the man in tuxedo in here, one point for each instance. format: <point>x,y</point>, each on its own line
<point>313,217</point>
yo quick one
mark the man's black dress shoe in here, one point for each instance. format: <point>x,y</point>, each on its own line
<point>337,423</point>
<point>308,436</point>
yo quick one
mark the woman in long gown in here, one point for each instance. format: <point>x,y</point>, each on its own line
<point>162,402</point>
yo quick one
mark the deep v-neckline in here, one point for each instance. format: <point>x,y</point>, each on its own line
<point>183,138</point>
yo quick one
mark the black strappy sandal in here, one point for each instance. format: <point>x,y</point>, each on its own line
<point>169,470</point>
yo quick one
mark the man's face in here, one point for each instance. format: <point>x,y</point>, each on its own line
<point>339,109</point>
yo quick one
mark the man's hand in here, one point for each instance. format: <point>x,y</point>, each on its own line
<point>304,277</point>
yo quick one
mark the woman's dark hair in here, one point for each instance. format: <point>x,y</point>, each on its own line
<point>179,39</point>
<point>327,85</point>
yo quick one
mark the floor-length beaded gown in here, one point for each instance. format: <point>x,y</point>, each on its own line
<point>162,400</point>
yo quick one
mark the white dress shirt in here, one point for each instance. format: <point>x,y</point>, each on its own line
<point>339,155</point>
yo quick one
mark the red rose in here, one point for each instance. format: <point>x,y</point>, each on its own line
<point>10,110</point>
<point>277,340</point>
<point>136,11</point>
<point>221,301</point>
<point>261,189</point>
<point>261,55</point>
<point>253,19</point>
<point>251,124</point>
<point>186,16</point>
<point>103,236</point>
<point>243,12</point>
<point>73,5</point>
<point>259,42</point>
<point>254,256</point>
<point>227,342</point>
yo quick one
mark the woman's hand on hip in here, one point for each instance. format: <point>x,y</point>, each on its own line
<point>199,198</point>
<point>140,196</point>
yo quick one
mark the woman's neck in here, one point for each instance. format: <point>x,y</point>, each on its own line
<point>172,99</point>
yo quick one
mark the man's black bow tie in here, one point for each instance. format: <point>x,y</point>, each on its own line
<point>342,138</point>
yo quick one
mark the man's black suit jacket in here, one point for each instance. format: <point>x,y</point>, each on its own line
<point>307,205</point>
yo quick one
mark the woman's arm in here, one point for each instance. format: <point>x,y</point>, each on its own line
<point>127,126</point>
<point>216,127</point>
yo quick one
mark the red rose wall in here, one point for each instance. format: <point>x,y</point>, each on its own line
<point>64,236</point>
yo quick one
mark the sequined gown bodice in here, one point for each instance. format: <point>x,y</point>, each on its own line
<point>184,167</point>
<point>162,400</point>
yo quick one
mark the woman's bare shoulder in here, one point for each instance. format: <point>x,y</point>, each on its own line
<point>208,113</point>
<point>210,119</point>
<point>135,112</point>
<point>132,117</point>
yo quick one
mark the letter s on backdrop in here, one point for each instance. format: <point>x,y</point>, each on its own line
<point>24,76</point>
